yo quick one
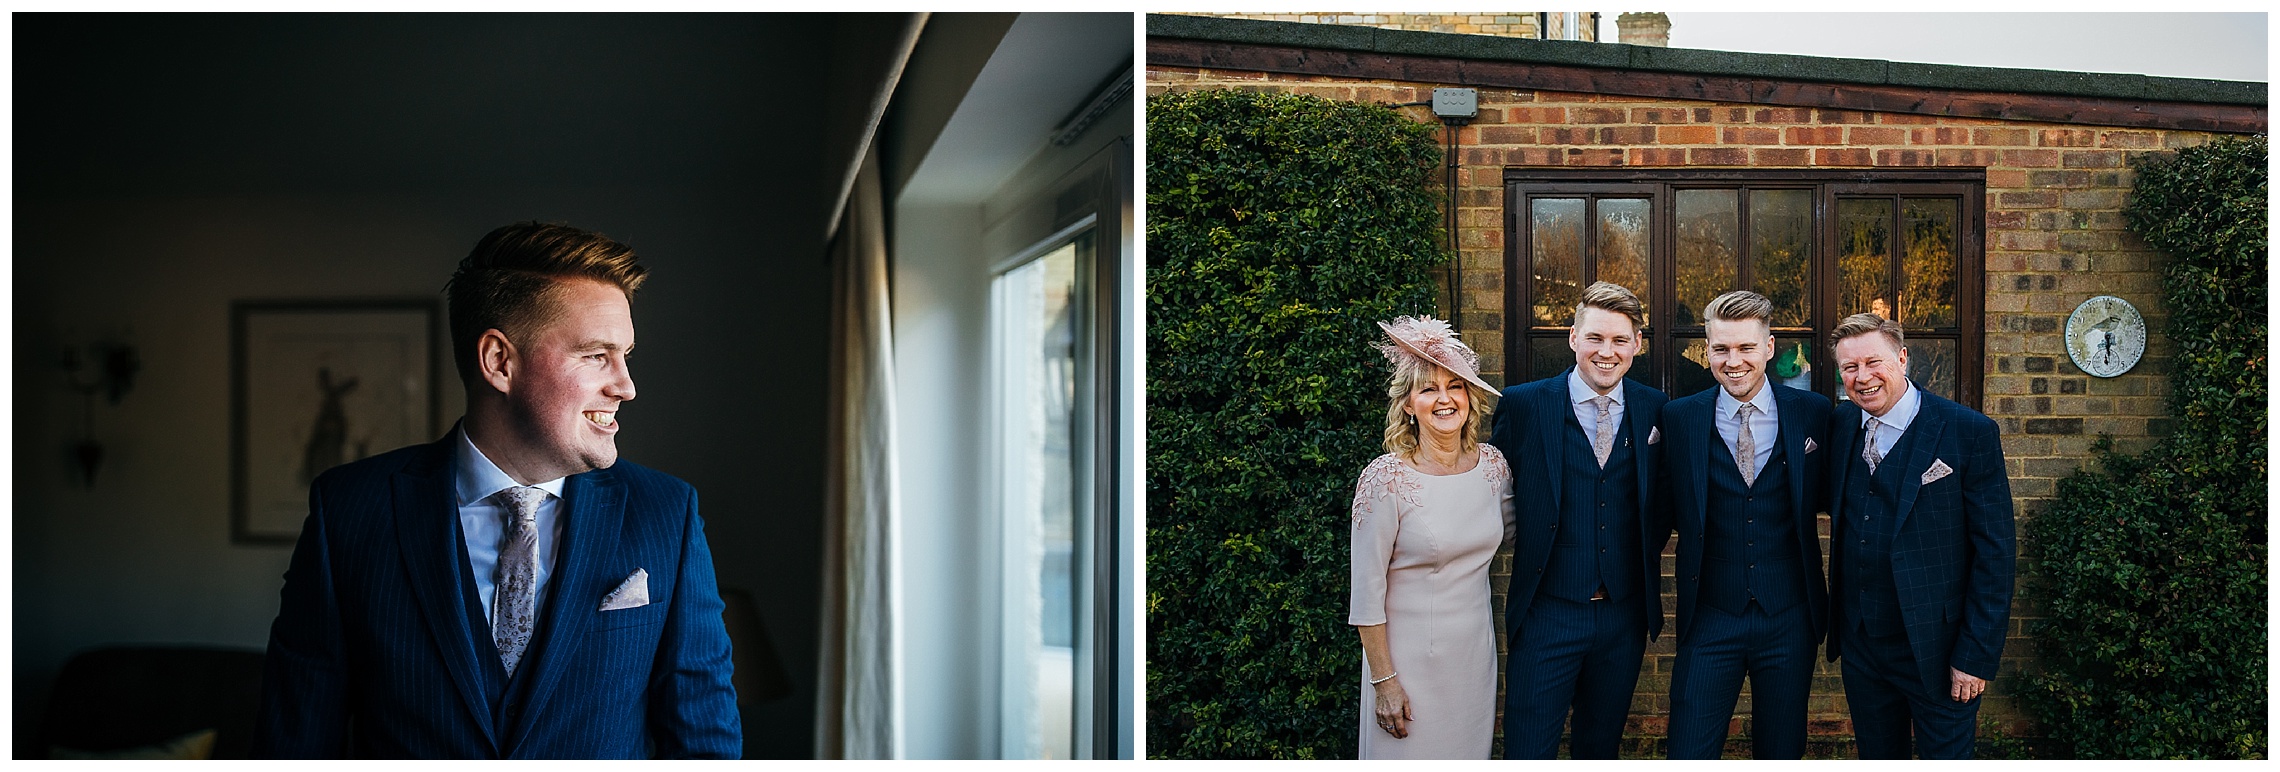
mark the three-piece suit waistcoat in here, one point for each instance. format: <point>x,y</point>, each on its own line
<point>1749,541</point>
<point>1867,545</point>
<point>1598,540</point>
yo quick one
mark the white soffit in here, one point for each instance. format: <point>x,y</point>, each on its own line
<point>1046,66</point>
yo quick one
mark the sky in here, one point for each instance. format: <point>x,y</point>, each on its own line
<point>2222,46</point>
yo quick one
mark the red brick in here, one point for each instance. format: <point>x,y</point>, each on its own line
<point>2006,178</point>
<point>1842,156</point>
<point>1701,115</point>
<point>1787,156</point>
<point>1627,135</point>
<point>2033,158</point>
<point>1564,135</point>
<point>1535,156</point>
<point>1718,156</point>
<point>2033,199</point>
<point>2002,220</point>
<point>1817,135</point>
<point>2068,138</point>
<point>2130,139</point>
<point>1612,156</point>
<point>2000,137</point>
<point>1730,115</point>
<point>1507,135</point>
<point>1843,116</point>
<point>1869,135</point>
<point>1597,115</point>
<point>1687,135</point>
<point>1904,158</point>
<point>1958,157</point>
<point>2092,159</point>
<point>1536,115</point>
<point>1785,115</point>
<point>1659,115</point>
<point>1942,135</point>
<point>1890,119</point>
<point>1745,135</point>
<point>1657,156</point>
<point>2025,241</point>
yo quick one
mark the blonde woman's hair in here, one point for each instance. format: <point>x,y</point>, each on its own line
<point>1401,433</point>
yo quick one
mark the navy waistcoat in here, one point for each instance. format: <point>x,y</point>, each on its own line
<point>1749,542</point>
<point>1871,517</point>
<point>1598,541</point>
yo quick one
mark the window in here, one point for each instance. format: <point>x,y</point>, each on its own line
<point>1821,244</point>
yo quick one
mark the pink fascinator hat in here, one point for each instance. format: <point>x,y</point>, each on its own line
<point>1431,340</point>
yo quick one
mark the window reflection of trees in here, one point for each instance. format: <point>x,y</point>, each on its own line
<point>1707,232</point>
<point>1927,271</point>
<point>1781,236</point>
<point>1558,227</point>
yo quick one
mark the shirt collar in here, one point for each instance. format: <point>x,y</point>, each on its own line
<point>475,478</point>
<point>1578,391</point>
<point>1903,412</point>
<point>1727,404</point>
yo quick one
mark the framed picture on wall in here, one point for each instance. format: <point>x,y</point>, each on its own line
<point>319,383</point>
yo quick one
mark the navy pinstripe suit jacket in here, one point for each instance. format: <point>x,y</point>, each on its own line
<point>1954,551</point>
<point>378,649</point>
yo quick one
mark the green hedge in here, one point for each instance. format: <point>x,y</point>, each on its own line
<point>1280,229</point>
<point>2152,572</point>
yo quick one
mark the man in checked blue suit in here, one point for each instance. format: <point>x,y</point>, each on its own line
<point>1745,488</point>
<point>1585,595</point>
<point>511,590</point>
<point>1922,552</point>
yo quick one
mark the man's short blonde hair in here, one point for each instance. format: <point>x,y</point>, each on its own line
<point>1863,324</point>
<point>1740,305</point>
<point>1609,296</point>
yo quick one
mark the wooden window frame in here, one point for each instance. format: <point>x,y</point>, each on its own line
<point>1967,185</point>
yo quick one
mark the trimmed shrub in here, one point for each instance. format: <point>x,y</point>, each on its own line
<point>2152,572</point>
<point>1280,229</point>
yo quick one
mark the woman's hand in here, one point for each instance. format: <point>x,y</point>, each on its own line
<point>1393,708</point>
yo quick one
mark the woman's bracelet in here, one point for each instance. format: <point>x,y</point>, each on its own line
<point>1388,677</point>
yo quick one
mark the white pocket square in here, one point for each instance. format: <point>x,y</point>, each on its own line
<point>1654,434</point>
<point>1939,469</point>
<point>1811,446</point>
<point>633,593</point>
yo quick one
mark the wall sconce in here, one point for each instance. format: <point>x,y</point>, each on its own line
<point>107,368</point>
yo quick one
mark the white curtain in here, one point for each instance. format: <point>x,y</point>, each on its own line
<point>859,700</point>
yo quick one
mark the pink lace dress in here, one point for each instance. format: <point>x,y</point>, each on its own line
<point>1421,548</point>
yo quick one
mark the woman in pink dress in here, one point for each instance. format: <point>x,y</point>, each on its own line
<point>1428,517</point>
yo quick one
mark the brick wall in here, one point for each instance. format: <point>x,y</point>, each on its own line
<point>2054,237</point>
<point>1518,24</point>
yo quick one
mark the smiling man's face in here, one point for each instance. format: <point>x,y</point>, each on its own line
<point>569,380</point>
<point>1739,351</point>
<point>1604,343</point>
<point>1875,372</point>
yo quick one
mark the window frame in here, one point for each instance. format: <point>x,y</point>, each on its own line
<point>1967,185</point>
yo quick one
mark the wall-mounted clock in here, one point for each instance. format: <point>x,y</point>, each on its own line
<point>2105,336</point>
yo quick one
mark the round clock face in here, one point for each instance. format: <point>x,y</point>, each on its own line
<point>2105,336</point>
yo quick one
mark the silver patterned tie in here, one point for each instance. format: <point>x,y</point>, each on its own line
<point>1745,446</point>
<point>1603,437</point>
<point>513,610</point>
<point>1868,451</point>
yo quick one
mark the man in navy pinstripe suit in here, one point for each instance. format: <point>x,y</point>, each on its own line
<point>511,590</point>
<point>1921,552</point>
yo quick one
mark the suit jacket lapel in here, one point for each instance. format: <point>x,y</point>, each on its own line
<point>1792,447</point>
<point>596,508</point>
<point>1923,439</point>
<point>1642,429</point>
<point>1556,410</point>
<point>427,520</point>
<point>1845,429</point>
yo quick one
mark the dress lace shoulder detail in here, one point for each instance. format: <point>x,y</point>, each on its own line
<point>1499,471</point>
<point>1389,476</point>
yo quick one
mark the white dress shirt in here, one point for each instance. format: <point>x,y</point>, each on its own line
<point>1895,421</point>
<point>1587,414</point>
<point>1765,425</point>
<point>482,520</point>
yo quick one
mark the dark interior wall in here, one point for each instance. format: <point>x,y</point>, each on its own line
<point>167,165</point>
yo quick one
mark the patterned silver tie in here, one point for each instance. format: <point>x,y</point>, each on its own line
<point>1745,446</point>
<point>514,608</point>
<point>1603,437</point>
<point>1868,451</point>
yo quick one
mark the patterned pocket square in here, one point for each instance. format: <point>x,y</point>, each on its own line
<point>1811,446</point>
<point>634,593</point>
<point>1939,469</point>
<point>1654,434</point>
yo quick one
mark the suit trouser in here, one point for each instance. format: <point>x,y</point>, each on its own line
<point>1774,651</point>
<point>1889,701</point>
<point>1568,654</point>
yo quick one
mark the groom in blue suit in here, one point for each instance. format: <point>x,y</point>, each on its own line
<point>1745,487</point>
<point>1585,593</point>
<point>1922,552</point>
<point>511,590</point>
